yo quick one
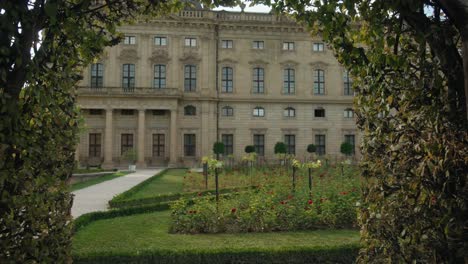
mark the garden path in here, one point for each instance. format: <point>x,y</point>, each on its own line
<point>95,197</point>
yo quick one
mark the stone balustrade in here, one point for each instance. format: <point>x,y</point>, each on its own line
<point>147,91</point>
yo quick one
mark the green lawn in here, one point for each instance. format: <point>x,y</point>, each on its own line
<point>84,184</point>
<point>131,235</point>
<point>169,182</point>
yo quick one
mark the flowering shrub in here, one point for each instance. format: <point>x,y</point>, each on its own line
<point>272,207</point>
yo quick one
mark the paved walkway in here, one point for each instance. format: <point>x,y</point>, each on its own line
<point>94,198</point>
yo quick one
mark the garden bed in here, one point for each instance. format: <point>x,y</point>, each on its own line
<point>144,238</point>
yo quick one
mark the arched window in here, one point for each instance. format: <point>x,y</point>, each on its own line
<point>348,113</point>
<point>190,110</point>
<point>227,111</point>
<point>259,111</point>
<point>289,112</point>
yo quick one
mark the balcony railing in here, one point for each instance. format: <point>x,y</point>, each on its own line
<point>149,91</point>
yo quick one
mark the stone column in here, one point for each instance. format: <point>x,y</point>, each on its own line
<point>108,144</point>
<point>173,137</point>
<point>141,139</point>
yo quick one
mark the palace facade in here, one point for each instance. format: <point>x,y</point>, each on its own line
<point>177,84</point>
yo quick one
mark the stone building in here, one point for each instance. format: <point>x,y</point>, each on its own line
<point>175,85</point>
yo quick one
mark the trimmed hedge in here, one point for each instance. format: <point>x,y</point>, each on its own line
<point>86,219</point>
<point>120,201</point>
<point>343,254</point>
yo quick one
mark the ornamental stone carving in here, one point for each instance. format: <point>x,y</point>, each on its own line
<point>128,55</point>
<point>160,55</point>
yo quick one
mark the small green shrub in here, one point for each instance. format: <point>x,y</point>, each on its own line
<point>346,148</point>
<point>280,148</point>
<point>311,148</point>
<point>249,149</point>
<point>218,148</point>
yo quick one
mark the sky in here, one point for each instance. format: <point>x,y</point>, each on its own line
<point>257,8</point>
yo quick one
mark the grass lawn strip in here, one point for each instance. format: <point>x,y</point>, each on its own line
<point>84,184</point>
<point>149,233</point>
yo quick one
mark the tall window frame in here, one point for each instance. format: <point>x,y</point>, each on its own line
<point>290,142</point>
<point>228,141</point>
<point>319,82</point>
<point>95,143</point>
<point>259,144</point>
<point>97,75</point>
<point>347,84</point>
<point>258,80</point>
<point>320,144</point>
<point>126,142</point>
<point>128,76</point>
<point>227,76</point>
<point>190,145</point>
<point>289,81</point>
<point>159,145</point>
<point>159,78</point>
<point>190,78</point>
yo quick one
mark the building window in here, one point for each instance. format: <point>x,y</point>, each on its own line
<point>190,78</point>
<point>158,112</point>
<point>318,47</point>
<point>289,81</point>
<point>258,80</point>
<point>159,80</point>
<point>160,41</point>
<point>227,111</point>
<point>348,113</point>
<point>226,80</point>
<point>95,145</point>
<point>228,141</point>
<point>289,112</point>
<point>259,111</point>
<point>128,76</point>
<point>259,144</point>
<point>288,45</point>
<point>159,143</point>
<point>351,140</point>
<point>290,142</point>
<point>189,145</point>
<point>226,44</point>
<point>130,40</point>
<point>319,82</point>
<point>258,44</point>
<point>127,112</point>
<point>190,42</point>
<point>319,112</point>
<point>95,111</point>
<point>97,75</point>
<point>126,143</point>
<point>348,83</point>
<point>320,144</point>
<point>190,110</point>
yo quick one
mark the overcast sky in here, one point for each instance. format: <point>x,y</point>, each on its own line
<point>257,8</point>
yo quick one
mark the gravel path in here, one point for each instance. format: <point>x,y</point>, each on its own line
<point>94,198</point>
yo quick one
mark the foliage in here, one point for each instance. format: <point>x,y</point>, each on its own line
<point>280,148</point>
<point>311,148</point>
<point>130,155</point>
<point>346,148</point>
<point>249,149</point>
<point>407,72</point>
<point>218,148</point>
<point>272,207</point>
<point>143,238</point>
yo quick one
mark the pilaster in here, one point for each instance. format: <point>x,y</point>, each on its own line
<point>108,144</point>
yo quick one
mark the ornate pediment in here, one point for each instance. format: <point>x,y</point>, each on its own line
<point>319,64</point>
<point>128,55</point>
<point>160,55</point>
<point>190,57</point>
<point>258,62</point>
<point>289,63</point>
